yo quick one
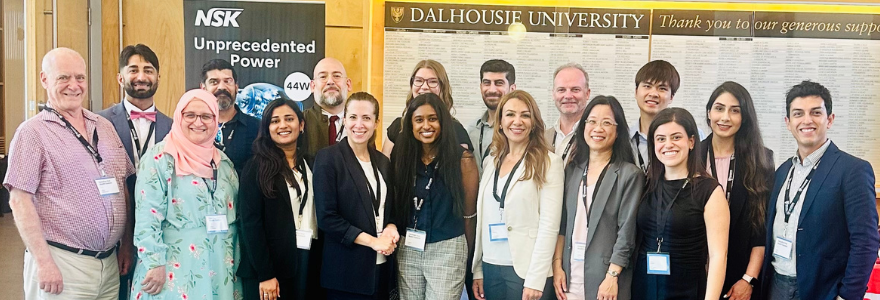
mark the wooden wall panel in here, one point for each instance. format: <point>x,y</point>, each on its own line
<point>345,13</point>
<point>110,52</point>
<point>159,25</point>
<point>347,45</point>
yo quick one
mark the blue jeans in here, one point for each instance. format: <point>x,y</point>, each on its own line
<point>501,282</point>
<point>784,288</point>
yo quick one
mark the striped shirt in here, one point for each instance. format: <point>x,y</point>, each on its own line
<point>48,161</point>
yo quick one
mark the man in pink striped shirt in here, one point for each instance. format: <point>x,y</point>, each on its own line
<point>67,169</point>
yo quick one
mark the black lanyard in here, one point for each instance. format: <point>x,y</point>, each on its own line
<point>663,215</point>
<point>789,203</point>
<point>730,172</point>
<point>222,143</point>
<point>213,187</point>
<point>303,197</point>
<point>506,185</point>
<point>137,141</point>
<point>595,189</point>
<point>567,146</point>
<point>417,203</point>
<point>91,149</point>
<point>486,151</point>
<point>639,152</point>
<point>376,196</point>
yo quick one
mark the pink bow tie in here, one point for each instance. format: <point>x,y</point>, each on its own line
<point>146,115</point>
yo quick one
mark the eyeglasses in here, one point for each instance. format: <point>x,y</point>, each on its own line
<point>191,117</point>
<point>432,83</point>
<point>323,78</point>
<point>603,124</point>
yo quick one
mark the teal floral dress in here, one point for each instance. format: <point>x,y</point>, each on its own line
<point>170,230</point>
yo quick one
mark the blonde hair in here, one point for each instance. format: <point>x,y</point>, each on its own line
<point>440,71</point>
<point>535,159</point>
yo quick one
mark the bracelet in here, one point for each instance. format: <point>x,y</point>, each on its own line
<point>471,216</point>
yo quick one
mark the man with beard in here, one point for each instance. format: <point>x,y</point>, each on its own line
<point>138,123</point>
<point>330,86</point>
<point>237,130</point>
<point>496,80</point>
<point>571,92</point>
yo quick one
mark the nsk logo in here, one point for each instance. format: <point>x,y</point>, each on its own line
<point>218,17</point>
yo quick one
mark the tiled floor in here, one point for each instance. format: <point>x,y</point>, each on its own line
<point>11,260</point>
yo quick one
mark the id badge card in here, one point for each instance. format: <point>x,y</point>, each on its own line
<point>415,239</point>
<point>497,232</point>
<point>658,263</point>
<point>304,239</point>
<point>107,186</point>
<point>579,251</point>
<point>216,224</point>
<point>782,248</point>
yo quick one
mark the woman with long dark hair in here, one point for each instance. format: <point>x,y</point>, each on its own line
<point>353,205</point>
<point>682,219</point>
<point>441,178</point>
<point>602,191</point>
<point>518,206</point>
<point>277,210</point>
<point>736,156</point>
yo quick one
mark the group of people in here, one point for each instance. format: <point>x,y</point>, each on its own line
<point>134,204</point>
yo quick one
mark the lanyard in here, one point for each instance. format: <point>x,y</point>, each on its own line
<point>730,172</point>
<point>221,144</point>
<point>789,203</point>
<point>417,203</point>
<point>92,150</point>
<point>506,185</point>
<point>376,196</point>
<point>485,152</point>
<point>213,187</point>
<point>642,165</point>
<point>567,146</point>
<point>137,141</point>
<point>303,197</point>
<point>595,189</point>
<point>663,215</point>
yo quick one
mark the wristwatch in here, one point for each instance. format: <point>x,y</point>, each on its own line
<point>750,280</point>
<point>613,273</point>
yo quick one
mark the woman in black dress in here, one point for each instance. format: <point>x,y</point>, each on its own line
<point>683,218</point>
<point>736,157</point>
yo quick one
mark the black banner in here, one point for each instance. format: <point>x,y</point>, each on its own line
<point>273,47</point>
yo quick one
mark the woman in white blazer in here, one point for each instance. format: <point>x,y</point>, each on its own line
<point>518,219</point>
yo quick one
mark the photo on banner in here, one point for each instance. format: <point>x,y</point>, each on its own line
<point>273,47</point>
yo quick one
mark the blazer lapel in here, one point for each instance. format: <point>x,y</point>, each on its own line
<point>353,165</point>
<point>825,165</point>
<point>598,206</point>
<point>572,187</point>
<point>120,121</point>
<point>738,192</point>
<point>163,126</point>
<point>774,194</point>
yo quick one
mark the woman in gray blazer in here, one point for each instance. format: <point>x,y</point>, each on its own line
<point>602,192</point>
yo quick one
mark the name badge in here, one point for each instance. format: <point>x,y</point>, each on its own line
<point>304,239</point>
<point>497,232</point>
<point>216,224</point>
<point>580,250</point>
<point>107,186</point>
<point>782,248</point>
<point>415,239</point>
<point>658,263</point>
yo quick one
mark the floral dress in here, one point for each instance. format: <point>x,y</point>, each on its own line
<point>170,230</point>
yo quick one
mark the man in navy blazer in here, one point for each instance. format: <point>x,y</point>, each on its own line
<point>139,78</point>
<point>822,237</point>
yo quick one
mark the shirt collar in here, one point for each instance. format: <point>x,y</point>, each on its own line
<point>814,157</point>
<point>48,116</point>
<point>130,107</point>
<point>559,131</point>
<point>484,120</point>
<point>237,117</point>
<point>634,131</point>
<point>328,114</point>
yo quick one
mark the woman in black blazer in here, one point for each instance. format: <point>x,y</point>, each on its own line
<point>277,211</point>
<point>351,193</point>
<point>736,156</point>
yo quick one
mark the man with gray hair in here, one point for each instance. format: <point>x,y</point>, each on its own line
<point>330,85</point>
<point>571,92</point>
<point>67,169</point>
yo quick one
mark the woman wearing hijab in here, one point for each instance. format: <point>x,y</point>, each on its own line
<point>185,201</point>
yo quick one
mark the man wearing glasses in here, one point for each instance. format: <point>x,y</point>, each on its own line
<point>237,130</point>
<point>330,85</point>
